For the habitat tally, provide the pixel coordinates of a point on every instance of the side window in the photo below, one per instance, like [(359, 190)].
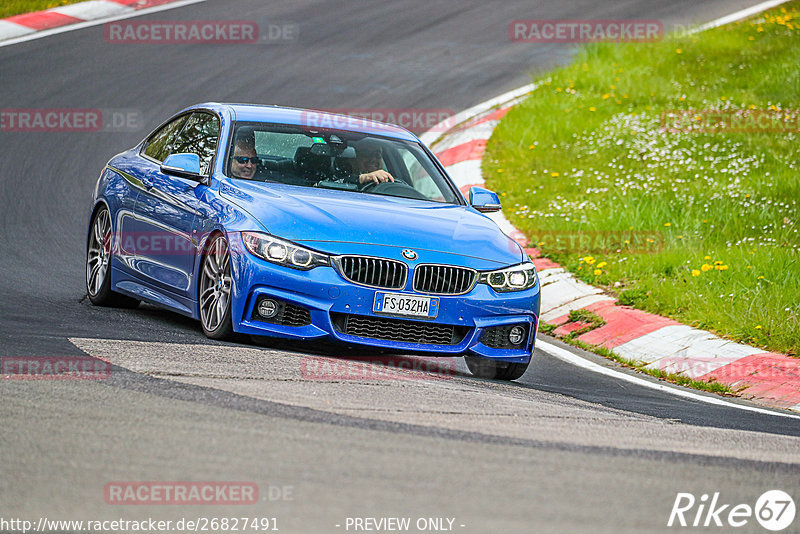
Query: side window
[(199, 136), (160, 142), (279, 144)]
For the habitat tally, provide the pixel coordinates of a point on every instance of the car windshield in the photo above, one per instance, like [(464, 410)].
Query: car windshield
[(331, 159)]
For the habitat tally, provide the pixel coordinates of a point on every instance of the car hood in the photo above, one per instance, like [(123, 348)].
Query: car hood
[(315, 215)]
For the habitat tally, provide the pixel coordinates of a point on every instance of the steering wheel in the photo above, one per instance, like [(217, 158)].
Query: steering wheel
[(393, 189)]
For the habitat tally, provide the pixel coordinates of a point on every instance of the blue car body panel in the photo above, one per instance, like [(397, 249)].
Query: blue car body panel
[(184, 213)]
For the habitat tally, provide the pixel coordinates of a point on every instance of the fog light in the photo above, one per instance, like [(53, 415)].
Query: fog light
[(267, 308), (516, 335)]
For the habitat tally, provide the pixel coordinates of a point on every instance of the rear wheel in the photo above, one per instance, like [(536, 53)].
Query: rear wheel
[(98, 265), (215, 290), (493, 369)]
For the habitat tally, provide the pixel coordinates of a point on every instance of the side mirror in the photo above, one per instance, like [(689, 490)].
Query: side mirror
[(484, 200), (184, 165)]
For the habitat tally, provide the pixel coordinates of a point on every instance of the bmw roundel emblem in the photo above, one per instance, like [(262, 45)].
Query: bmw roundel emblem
[(409, 254)]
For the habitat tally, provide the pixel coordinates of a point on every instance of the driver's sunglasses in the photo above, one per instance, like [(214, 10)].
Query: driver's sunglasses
[(244, 159)]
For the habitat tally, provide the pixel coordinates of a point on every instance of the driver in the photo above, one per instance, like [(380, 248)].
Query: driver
[(244, 160), (369, 164)]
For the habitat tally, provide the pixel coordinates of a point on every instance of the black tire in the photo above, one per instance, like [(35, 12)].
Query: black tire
[(214, 291), (492, 369), (98, 265)]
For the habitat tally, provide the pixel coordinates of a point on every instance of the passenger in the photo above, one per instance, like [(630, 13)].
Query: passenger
[(244, 161)]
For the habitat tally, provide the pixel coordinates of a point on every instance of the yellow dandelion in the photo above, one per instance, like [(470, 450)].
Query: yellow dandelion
[(531, 147), (601, 264), (558, 89), (667, 224), (589, 259), (752, 106), (758, 327), (706, 267), (502, 194), (598, 272), (717, 262), (695, 272), (613, 87), (499, 170), (606, 96), (554, 174), (722, 98), (706, 257), (592, 109), (760, 277), (678, 51)]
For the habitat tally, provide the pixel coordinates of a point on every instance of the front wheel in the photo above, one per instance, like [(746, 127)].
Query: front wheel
[(493, 369), (215, 290), (98, 265)]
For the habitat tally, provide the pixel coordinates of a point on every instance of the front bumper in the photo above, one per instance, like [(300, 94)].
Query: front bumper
[(328, 297)]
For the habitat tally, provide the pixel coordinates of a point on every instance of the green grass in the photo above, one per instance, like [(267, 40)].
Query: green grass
[(704, 227), (16, 7)]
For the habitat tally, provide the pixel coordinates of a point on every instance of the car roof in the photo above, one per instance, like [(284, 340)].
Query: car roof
[(308, 117)]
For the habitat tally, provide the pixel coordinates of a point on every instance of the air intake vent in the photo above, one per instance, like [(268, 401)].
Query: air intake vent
[(374, 272), (443, 279), (399, 330)]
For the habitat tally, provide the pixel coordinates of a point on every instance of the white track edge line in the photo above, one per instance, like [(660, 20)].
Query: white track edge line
[(579, 361), (738, 15), (89, 23)]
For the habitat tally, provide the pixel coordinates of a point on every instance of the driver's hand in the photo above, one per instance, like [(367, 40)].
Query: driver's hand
[(375, 177)]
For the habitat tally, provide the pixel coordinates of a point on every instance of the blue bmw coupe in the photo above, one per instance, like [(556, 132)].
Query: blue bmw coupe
[(293, 223)]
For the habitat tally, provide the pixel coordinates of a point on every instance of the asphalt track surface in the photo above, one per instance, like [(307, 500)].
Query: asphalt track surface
[(560, 450)]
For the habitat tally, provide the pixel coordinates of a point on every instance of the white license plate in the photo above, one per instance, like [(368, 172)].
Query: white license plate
[(405, 305)]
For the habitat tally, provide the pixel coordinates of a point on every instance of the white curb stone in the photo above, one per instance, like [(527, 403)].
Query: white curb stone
[(92, 9), (9, 30), (678, 346)]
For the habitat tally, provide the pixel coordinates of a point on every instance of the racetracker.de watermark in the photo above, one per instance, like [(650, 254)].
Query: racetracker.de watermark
[(70, 120), (413, 119), (377, 368), (200, 32), (188, 493), (600, 241), (53, 368), (717, 121), (585, 31)]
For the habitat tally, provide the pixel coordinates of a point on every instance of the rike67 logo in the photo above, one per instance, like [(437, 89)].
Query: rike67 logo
[(774, 510)]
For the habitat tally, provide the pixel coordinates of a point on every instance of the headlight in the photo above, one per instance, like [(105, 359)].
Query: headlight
[(283, 252), (516, 278)]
